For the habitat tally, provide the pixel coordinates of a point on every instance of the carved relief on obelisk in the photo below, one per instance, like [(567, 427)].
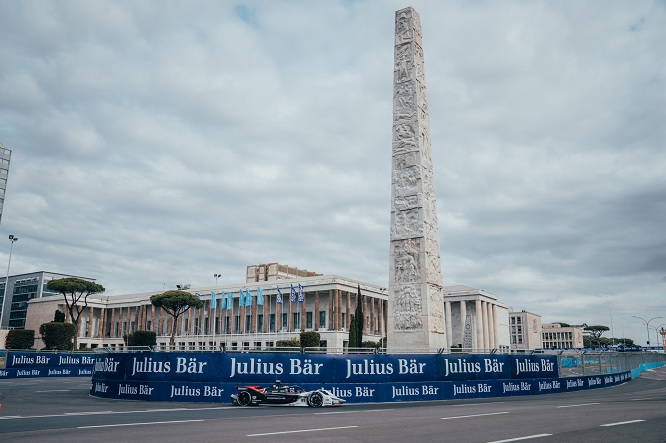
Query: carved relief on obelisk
[(416, 307)]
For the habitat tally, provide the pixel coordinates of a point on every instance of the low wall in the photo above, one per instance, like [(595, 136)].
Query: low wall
[(200, 377), (31, 364)]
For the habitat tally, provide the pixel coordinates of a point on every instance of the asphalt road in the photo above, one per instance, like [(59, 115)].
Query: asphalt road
[(57, 410)]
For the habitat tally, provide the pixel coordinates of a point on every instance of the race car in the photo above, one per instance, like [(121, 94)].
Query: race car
[(277, 394)]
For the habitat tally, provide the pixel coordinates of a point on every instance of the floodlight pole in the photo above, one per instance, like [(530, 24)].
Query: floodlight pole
[(12, 239)]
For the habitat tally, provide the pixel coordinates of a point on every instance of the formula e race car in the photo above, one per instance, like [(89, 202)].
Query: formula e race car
[(277, 394)]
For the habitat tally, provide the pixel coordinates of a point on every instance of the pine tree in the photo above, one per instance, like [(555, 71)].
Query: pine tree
[(359, 319), (353, 340)]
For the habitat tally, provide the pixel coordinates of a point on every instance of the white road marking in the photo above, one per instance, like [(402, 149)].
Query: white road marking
[(351, 412), (137, 424), (622, 423), (301, 430), (114, 412), (575, 406), (527, 437), (479, 404), (475, 415)]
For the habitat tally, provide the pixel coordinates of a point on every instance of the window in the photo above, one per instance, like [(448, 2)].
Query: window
[(248, 323), (285, 321), (297, 320), (236, 324), (260, 323), (271, 325), (308, 320), (322, 319), (344, 320)]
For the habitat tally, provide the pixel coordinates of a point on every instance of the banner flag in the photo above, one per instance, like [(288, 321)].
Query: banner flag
[(213, 301), (279, 296), (301, 297), (292, 295), (198, 295), (241, 298), (230, 302), (248, 298), (223, 300), (260, 297)]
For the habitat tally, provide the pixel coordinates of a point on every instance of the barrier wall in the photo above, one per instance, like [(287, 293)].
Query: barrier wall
[(32, 364), (356, 378)]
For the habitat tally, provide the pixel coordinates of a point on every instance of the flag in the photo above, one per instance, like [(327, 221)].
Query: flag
[(292, 294), (230, 302), (301, 297), (241, 298), (198, 295), (248, 298), (260, 297), (213, 302), (223, 300), (278, 299)]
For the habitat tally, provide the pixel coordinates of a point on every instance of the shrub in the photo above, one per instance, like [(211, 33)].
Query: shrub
[(369, 344), (59, 316), (20, 339), (291, 343), (310, 339), (57, 335), (142, 338)]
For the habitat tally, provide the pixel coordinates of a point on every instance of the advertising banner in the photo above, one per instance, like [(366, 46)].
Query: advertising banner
[(215, 392), (46, 372), (305, 368), (34, 360)]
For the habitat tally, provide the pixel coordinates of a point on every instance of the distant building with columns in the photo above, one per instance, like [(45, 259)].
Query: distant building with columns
[(476, 321), (556, 336)]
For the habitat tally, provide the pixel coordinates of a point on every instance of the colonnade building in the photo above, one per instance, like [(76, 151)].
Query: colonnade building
[(476, 321)]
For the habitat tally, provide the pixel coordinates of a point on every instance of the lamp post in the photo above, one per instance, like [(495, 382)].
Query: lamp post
[(216, 277), (12, 239), (647, 325), (659, 329)]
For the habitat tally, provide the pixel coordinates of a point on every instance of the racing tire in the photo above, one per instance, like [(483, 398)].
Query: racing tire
[(244, 398), (315, 399)]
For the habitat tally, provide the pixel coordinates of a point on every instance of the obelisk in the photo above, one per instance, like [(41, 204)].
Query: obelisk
[(415, 305)]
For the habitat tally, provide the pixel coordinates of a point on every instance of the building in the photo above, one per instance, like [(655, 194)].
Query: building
[(5, 158), (328, 301), (525, 331), (275, 271), (475, 320), (23, 288), (556, 336)]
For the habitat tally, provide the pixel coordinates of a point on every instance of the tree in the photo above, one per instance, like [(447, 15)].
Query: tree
[(175, 303), (359, 319), (59, 316), (353, 331), (596, 331), (310, 339), (76, 292), (57, 335), (142, 338), (20, 339), (290, 343)]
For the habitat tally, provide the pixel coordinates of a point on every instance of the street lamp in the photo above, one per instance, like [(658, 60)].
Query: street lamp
[(647, 325), (658, 330), (216, 277), (12, 239)]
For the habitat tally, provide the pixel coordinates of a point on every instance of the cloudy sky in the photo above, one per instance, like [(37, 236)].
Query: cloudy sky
[(156, 143)]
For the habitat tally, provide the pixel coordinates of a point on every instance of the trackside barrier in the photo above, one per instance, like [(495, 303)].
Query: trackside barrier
[(201, 377)]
